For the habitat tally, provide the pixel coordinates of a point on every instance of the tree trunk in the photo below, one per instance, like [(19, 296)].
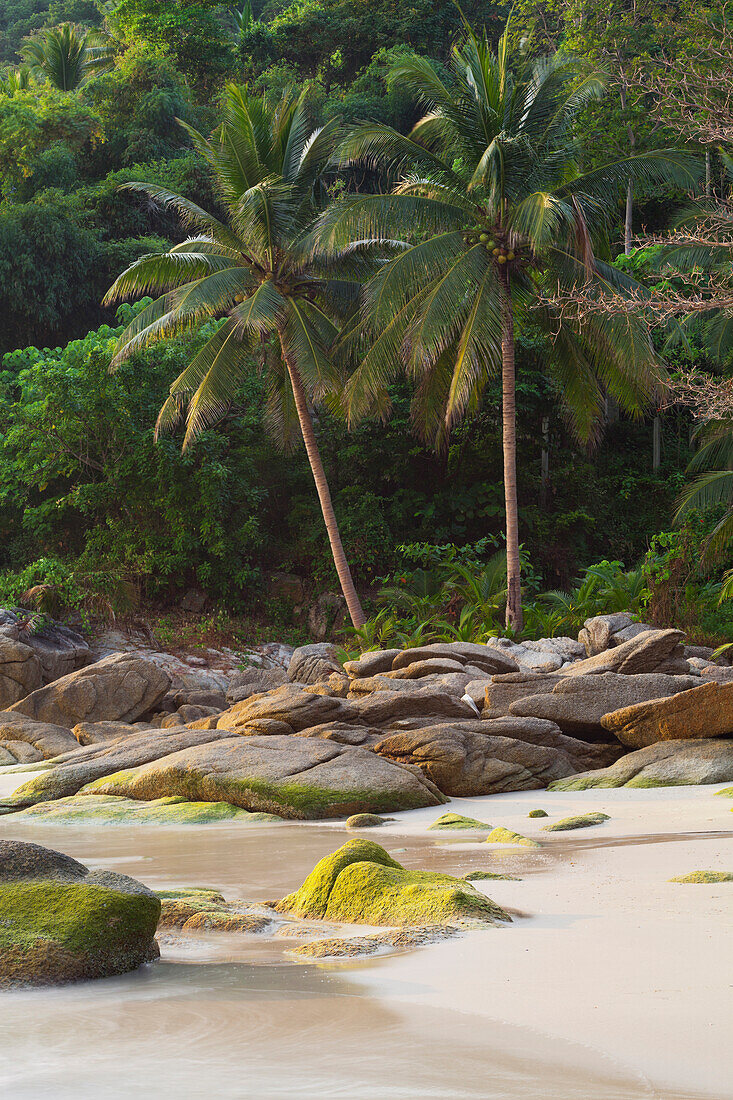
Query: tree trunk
[(708, 172), (628, 217), (509, 442), (353, 603)]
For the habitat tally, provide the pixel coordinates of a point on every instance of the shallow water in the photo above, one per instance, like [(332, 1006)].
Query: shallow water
[(233, 1017)]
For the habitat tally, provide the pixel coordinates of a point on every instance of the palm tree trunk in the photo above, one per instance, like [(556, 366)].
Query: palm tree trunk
[(353, 603), (509, 442)]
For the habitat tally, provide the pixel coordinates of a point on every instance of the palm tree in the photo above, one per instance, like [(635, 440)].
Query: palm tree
[(497, 221), (66, 56), (253, 272)]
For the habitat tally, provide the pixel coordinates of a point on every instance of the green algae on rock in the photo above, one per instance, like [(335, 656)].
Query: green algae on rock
[(538, 813), (366, 821), (665, 764), (360, 883), (297, 777), (577, 821), (705, 877), (457, 821), (60, 923), (198, 909), (500, 835), (476, 876), (113, 810)]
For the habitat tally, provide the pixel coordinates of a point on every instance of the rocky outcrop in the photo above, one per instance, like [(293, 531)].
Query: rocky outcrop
[(360, 883), (254, 681), (370, 663), (384, 708), (48, 739), (310, 664), (666, 764), (501, 691), (292, 704), (648, 651), (20, 670), (704, 711), (60, 922), (483, 658), (578, 703), (295, 777), (469, 759), (118, 688)]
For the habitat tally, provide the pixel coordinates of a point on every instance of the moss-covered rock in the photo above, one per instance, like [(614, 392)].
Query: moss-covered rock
[(360, 883), (500, 835), (197, 909), (457, 821), (477, 876), (366, 821), (577, 821), (727, 792), (705, 877), (59, 922), (538, 813), (112, 810)]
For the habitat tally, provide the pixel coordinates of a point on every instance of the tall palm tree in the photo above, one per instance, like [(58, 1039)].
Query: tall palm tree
[(253, 271), (499, 220), (66, 55)]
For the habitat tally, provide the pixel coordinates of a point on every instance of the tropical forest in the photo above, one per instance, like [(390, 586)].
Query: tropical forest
[(366, 446)]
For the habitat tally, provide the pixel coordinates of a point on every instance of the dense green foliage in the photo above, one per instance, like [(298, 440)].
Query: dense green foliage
[(91, 504)]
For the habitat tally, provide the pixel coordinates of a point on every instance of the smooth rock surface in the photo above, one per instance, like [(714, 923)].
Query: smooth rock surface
[(291, 703)]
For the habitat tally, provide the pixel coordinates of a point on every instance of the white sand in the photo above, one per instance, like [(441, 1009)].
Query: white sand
[(612, 960), (613, 956)]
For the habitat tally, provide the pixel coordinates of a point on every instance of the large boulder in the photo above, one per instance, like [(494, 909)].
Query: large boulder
[(310, 664), (526, 658), (295, 777), (253, 681), (360, 883), (666, 764), (292, 703), (48, 739), (383, 708), (18, 752), (20, 670), (477, 758), (704, 711), (60, 922), (649, 651), (597, 633), (501, 691), (35, 650), (117, 688), (482, 657), (377, 660), (75, 769), (578, 703)]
